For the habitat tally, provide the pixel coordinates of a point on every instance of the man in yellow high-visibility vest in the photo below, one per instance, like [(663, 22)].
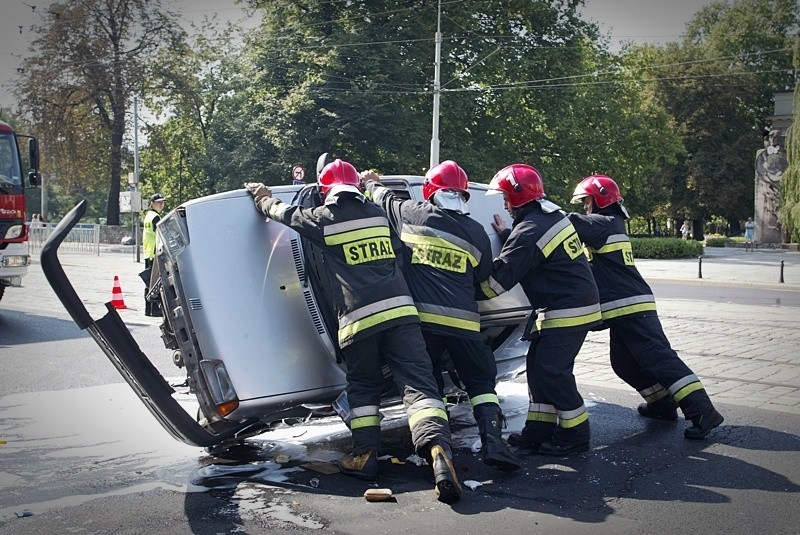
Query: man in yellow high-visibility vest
[(151, 219)]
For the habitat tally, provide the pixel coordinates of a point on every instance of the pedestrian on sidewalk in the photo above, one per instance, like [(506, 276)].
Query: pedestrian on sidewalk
[(640, 353), (749, 234), (685, 229)]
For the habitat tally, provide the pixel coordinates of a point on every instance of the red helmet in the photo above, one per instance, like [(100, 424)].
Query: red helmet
[(520, 182), (338, 173), (448, 176), (601, 188)]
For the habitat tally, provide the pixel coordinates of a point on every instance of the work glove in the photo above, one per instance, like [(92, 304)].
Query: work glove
[(368, 176), (259, 191)]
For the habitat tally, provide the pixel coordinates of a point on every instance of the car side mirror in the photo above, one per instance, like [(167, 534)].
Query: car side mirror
[(322, 161)]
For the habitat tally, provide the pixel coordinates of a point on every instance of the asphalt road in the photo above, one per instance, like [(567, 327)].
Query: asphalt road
[(82, 454)]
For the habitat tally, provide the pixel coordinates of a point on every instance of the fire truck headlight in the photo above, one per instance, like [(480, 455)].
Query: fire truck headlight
[(14, 231), (15, 261)]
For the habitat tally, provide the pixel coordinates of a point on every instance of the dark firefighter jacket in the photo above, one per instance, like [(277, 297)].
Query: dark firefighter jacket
[(623, 291), (370, 294), (542, 252), (446, 256)]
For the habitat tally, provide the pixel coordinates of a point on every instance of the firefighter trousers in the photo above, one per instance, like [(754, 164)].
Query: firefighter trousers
[(474, 363), (642, 356), (402, 348), (556, 412)]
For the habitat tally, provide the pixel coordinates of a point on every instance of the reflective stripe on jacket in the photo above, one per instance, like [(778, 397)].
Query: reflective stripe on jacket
[(623, 291), (542, 252), (370, 293), (446, 255)]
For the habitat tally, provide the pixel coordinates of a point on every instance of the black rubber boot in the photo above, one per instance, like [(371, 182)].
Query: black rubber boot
[(447, 486), (567, 441), (494, 449), (703, 424), (663, 409), (532, 435)]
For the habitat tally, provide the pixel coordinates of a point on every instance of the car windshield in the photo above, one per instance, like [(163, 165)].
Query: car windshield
[(9, 164)]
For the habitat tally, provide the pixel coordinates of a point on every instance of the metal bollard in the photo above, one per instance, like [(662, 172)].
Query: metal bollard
[(781, 279), (699, 267)]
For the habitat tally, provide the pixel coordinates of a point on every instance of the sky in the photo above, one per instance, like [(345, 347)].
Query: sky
[(627, 20)]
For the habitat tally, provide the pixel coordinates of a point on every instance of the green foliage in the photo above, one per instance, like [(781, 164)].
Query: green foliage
[(519, 83), (790, 184), (717, 241), (665, 248), (521, 80), (88, 59), (718, 84)]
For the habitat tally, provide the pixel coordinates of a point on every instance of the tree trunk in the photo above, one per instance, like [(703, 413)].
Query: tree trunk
[(115, 169), (697, 229)]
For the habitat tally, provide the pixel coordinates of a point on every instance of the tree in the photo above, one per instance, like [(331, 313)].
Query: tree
[(521, 81), (91, 56), (790, 184), (718, 84), (182, 156), (518, 81)]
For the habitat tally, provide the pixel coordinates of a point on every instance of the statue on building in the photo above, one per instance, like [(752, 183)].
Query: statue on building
[(771, 163)]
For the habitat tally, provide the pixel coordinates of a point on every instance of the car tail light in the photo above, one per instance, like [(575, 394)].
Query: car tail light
[(220, 386)]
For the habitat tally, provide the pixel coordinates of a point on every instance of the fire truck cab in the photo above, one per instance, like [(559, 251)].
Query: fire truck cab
[(14, 258)]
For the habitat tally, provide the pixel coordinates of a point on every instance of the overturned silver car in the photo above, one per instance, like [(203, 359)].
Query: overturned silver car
[(246, 312)]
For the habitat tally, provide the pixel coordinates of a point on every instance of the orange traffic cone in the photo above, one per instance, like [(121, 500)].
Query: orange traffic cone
[(116, 295)]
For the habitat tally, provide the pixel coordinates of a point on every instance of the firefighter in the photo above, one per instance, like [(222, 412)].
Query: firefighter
[(542, 252), (640, 352), (151, 219), (377, 322), (446, 254)]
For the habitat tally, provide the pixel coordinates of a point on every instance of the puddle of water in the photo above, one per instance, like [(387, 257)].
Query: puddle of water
[(252, 503)]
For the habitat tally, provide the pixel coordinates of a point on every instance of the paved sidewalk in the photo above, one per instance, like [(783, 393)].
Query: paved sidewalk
[(729, 265), (744, 354)]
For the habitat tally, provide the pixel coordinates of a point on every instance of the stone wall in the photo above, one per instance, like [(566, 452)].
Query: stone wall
[(113, 234)]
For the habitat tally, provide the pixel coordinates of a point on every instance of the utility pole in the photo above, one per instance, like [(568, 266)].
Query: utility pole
[(436, 89), (136, 174), (43, 200)]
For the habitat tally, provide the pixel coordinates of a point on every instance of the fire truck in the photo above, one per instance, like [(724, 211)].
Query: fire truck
[(14, 257)]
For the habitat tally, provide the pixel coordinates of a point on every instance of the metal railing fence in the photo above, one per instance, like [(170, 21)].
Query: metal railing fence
[(84, 238)]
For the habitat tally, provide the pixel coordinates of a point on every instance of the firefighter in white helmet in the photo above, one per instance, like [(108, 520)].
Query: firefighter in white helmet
[(640, 352), (377, 322)]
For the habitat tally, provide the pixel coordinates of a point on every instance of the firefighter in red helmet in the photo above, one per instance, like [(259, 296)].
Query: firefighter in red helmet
[(640, 352), (377, 321), (446, 255), (543, 254)]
